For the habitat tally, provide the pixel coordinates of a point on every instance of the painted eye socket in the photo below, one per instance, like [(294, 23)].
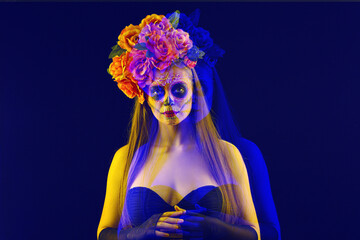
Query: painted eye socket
[(179, 90), (157, 92)]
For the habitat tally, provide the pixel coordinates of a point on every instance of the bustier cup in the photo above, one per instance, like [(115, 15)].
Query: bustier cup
[(143, 202)]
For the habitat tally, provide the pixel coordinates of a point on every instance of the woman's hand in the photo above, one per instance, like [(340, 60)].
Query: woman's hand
[(168, 225), (199, 226)]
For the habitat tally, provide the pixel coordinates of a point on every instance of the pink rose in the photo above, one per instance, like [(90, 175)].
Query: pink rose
[(182, 41), (155, 28), (141, 67), (164, 25), (148, 30), (162, 47)]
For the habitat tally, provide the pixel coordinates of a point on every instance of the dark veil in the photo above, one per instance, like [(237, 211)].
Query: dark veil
[(228, 130), (210, 97)]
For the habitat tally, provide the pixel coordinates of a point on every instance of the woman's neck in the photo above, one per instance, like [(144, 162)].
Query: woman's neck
[(174, 137)]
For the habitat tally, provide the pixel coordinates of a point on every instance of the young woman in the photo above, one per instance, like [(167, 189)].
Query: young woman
[(176, 178)]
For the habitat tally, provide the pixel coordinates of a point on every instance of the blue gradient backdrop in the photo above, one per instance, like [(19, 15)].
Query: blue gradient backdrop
[(291, 74)]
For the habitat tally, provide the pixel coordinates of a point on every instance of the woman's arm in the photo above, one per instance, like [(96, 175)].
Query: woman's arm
[(110, 214), (244, 193), (158, 225), (260, 189), (145, 231)]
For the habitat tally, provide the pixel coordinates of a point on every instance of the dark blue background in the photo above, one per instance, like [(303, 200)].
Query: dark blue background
[(291, 74)]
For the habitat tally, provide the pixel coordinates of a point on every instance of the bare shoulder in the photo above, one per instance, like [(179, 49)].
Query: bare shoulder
[(122, 151), (235, 159), (249, 146), (120, 157), (230, 148), (246, 147)]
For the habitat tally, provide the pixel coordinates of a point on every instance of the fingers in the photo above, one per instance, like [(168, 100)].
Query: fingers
[(167, 226), (178, 234), (173, 214), (189, 225), (169, 223), (192, 223), (194, 235), (194, 212), (180, 223), (161, 234), (200, 208), (193, 218), (177, 208), (170, 220)]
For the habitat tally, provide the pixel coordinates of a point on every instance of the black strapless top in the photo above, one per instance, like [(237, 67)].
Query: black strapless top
[(143, 202)]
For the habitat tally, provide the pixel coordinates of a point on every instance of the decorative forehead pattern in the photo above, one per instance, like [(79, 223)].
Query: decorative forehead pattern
[(166, 78)]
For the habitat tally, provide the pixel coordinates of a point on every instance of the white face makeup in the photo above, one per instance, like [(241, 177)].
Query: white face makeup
[(170, 95)]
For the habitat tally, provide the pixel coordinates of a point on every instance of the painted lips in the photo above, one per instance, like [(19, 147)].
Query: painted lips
[(169, 114)]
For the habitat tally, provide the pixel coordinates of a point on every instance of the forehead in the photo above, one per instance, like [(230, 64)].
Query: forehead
[(174, 74)]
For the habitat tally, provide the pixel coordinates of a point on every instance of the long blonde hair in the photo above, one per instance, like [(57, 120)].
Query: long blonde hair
[(142, 133)]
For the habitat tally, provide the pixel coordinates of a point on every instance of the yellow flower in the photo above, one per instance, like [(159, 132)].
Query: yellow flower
[(119, 64), (153, 18), (129, 37), (128, 85)]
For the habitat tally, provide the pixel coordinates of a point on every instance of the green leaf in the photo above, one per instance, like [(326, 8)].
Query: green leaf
[(147, 38), (201, 54), (140, 46), (115, 47), (174, 19), (116, 51)]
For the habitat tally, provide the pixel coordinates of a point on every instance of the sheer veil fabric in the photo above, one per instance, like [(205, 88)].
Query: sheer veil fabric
[(237, 184), (212, 103)]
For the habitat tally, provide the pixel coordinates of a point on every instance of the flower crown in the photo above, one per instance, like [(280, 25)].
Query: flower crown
[(159, 42)]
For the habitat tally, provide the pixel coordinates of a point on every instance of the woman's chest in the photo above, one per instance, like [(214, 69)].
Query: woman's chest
[(174, 175)]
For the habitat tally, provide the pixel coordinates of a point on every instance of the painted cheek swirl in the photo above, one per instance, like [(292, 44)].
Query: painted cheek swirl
[(182, 110)]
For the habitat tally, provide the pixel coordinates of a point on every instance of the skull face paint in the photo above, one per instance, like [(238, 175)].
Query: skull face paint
[(170, 95)]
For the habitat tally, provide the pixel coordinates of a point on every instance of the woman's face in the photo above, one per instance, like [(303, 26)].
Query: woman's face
[(170, 95)]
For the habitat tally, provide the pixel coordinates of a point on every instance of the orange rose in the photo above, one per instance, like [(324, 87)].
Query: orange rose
[(128, 85), (129, 37), (153, 18), (126, 75), (119, 64)]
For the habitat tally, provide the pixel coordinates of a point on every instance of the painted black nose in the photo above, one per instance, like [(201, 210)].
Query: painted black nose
[(168, 101)]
